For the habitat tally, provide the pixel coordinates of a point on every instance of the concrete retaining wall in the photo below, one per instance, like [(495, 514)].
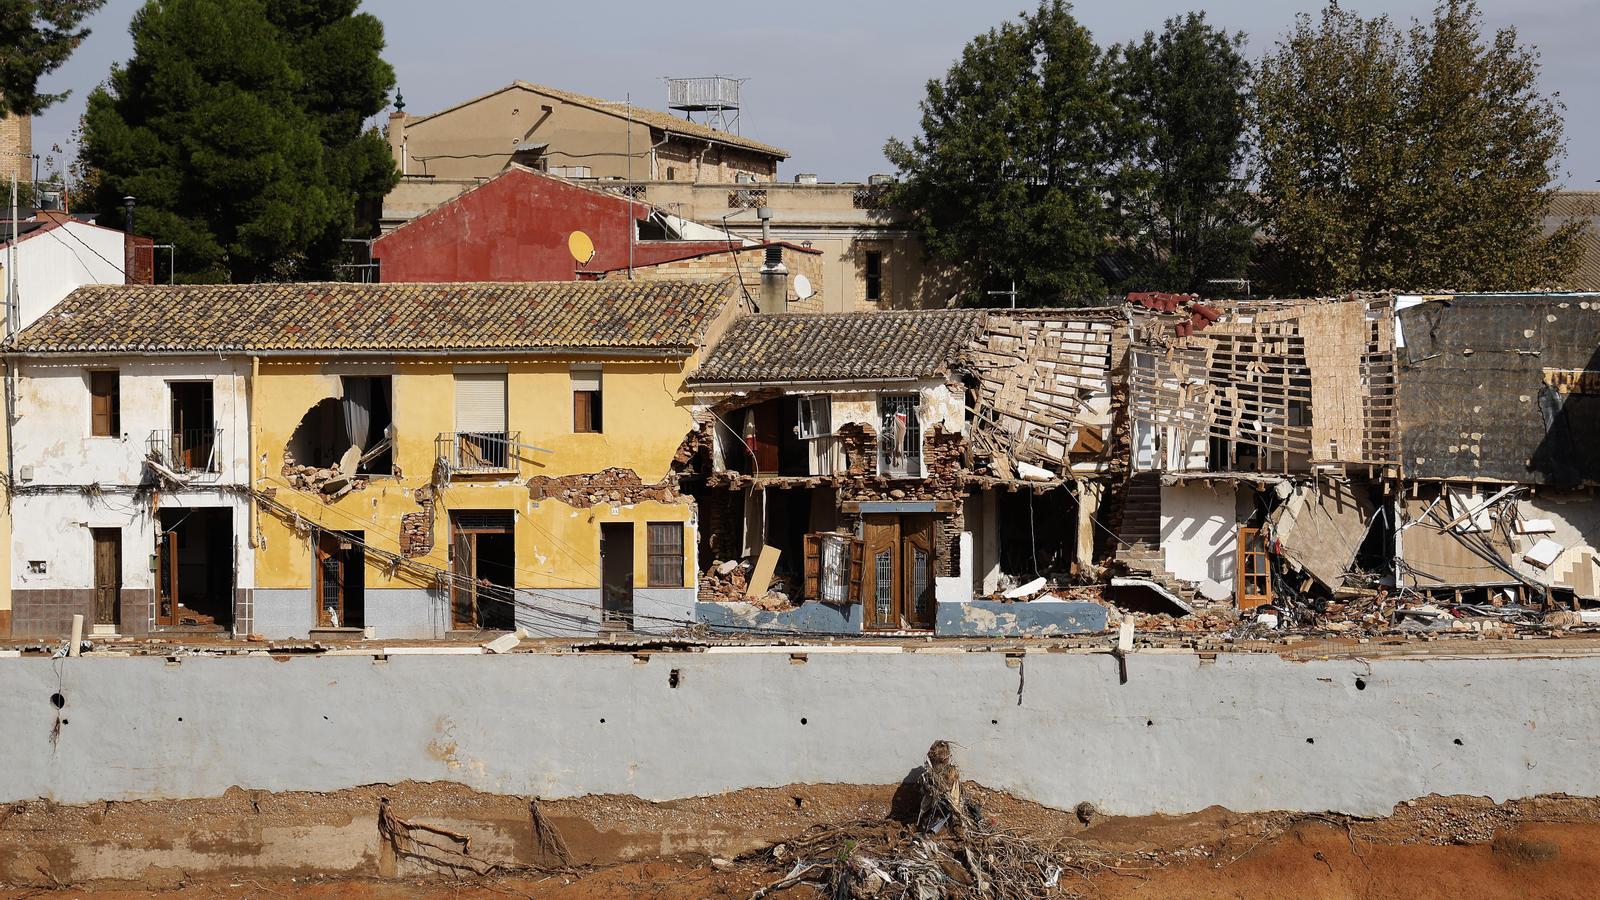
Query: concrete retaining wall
[(1246, 731)]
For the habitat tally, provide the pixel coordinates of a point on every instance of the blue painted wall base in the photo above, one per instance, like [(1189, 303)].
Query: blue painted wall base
[(812, 618), (1047, 618)]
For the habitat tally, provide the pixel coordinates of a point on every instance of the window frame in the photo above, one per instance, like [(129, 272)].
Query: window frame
[(113, 400), (872, 274), (588, 405), (672, 557)]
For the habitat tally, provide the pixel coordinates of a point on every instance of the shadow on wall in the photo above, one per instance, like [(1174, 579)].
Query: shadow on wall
[(1569, 454)]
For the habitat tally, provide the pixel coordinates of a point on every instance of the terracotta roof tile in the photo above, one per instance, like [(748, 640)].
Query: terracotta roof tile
[(862, 346), (320, 317)]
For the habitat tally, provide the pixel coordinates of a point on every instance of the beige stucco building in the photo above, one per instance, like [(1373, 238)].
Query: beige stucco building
[(573, 135)]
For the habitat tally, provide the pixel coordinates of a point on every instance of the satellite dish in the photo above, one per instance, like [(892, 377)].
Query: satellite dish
[(802, 287), (581, 248)]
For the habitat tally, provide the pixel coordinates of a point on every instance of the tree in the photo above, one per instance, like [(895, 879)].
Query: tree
[(36, 37), (1423, 160), (1184, 95), (237, 125), (1010, 175)]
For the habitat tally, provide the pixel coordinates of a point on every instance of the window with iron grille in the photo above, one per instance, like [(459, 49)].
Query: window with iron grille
[(900, 436), (874, 265), (666, 554), (883, 596)]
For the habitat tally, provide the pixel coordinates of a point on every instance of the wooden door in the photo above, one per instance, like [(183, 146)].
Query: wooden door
[(463, 584), (330, 582), (880, 582), (107, 574), (916, 561), (616, 572), (897, 581), (1255, 570), (167, 601)]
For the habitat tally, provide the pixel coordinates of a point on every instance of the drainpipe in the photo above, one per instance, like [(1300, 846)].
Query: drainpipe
[(774, 275)]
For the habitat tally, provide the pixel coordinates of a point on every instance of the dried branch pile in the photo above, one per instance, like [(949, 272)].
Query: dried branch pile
[(951, 850)]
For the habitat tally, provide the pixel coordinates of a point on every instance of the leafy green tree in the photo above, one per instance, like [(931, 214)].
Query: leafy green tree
[(1423, 159), (237, 125), (36, 37), (1184, 96), (1010, 176)]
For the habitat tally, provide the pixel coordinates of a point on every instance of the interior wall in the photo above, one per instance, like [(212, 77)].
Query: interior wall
[(1199, 530)]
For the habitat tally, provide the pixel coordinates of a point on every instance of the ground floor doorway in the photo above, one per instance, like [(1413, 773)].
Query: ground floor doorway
[(616, 574), (107, 575), (897, 584), (195, 563), (483, 565), (341, 579)]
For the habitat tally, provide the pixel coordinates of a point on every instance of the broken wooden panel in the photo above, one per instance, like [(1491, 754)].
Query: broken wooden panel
[(1321, 526), (1268, 386)]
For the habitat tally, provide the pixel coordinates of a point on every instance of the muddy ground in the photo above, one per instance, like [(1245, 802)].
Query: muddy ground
[(249, 844)]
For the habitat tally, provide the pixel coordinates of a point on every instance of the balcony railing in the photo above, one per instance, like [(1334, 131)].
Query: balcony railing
[(477, 451), (185, 450)]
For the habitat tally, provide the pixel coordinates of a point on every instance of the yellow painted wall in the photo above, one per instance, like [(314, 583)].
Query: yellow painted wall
[(557, 546)]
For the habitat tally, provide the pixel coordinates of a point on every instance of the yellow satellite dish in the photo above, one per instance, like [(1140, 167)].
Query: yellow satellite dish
[(581, 248)]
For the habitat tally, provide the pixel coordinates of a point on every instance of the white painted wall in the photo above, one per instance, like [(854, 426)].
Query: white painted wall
[(57, 460), (1199, 530), (52, 263), (51, 434)]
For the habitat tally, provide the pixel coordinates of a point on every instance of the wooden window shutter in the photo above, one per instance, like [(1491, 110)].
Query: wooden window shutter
[(104, 402), (858, 554), (481, 402), (813, 567)]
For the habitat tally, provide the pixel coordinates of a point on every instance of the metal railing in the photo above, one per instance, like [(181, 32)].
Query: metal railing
[(477, 451), (185, 450)]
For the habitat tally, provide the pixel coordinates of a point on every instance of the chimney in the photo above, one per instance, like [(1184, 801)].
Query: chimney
[(127, 220), (774, 274)]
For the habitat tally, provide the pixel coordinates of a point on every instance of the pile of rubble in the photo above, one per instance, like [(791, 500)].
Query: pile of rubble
[(726, 581), (328, 481), (611, 485)]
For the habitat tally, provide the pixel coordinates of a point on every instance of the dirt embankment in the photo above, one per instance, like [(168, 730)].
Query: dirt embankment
[(249, 844)]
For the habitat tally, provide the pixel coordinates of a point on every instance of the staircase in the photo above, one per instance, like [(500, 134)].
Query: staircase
[(1137, 525)]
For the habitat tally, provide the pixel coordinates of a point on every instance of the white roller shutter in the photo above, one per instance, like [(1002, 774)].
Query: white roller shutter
[(481, 402), (585, 378)]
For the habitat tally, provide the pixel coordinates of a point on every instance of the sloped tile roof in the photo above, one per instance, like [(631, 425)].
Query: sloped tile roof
[(1581, 205), (336, 317), (859, 346)]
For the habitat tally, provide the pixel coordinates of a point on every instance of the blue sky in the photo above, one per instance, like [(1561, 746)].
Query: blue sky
[(829, 80)]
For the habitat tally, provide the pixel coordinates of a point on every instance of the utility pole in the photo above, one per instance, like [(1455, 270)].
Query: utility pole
[(1011, 293)]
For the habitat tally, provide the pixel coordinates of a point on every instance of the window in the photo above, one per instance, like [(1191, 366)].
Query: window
[(672, 174), (666, 554), (900, 437), (586, 405), (105, 394), (816, 416), (481, 441), (874, 275)]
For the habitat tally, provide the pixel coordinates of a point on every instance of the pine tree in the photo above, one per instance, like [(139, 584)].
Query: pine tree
[(1184, 98), (237, 125), (1417, 160), (1010, 176), (36, 37)]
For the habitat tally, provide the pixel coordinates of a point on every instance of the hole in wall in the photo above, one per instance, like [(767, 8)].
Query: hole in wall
[(65, 722), (1361, 684), (1457, 742), (994, 721), (674, 679), (180, 718), (1311, 740), (1149, 722), (58, 700), (802, 720), (799, 802)]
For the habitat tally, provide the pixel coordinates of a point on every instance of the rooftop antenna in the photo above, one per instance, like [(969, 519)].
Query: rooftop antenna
[(715, 97), (1011, 293)]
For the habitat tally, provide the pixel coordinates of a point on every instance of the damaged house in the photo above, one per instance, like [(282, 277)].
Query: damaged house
[(879, 471), (1262, 440), (1499, 430), (369, 459)]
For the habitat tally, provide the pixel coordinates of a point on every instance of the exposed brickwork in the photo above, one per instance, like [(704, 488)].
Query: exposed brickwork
[(416, 528), (611, 485), (16, 148)]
